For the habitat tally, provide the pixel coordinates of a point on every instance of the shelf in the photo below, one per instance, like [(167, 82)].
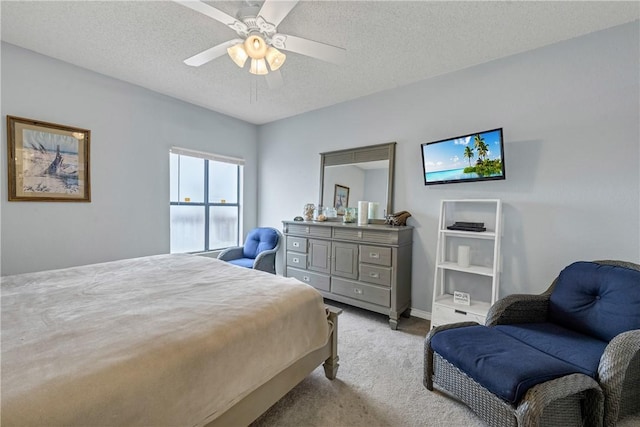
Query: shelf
[(484, 250), (473, 269), (490, 201), (477, 307), (490, 235)]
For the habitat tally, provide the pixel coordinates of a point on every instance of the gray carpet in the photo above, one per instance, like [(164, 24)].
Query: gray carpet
[(379, 382)]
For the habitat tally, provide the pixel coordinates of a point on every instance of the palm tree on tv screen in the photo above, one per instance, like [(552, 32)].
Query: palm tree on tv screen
[(468, 153), (481, 147), (483, 166)]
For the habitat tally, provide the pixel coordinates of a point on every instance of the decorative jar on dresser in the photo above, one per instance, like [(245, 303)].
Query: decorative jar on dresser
[(367, 266)]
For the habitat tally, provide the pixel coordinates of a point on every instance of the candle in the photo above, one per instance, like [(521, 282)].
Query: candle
[(363, 213), (373, 210)]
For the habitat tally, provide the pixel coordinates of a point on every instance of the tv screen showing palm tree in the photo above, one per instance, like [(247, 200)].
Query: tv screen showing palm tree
[(474, 157)]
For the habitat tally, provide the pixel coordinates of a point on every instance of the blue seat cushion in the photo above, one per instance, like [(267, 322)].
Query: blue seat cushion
[(597, 300), (500, 363), (258, 240), (581, 351), (243, 262)]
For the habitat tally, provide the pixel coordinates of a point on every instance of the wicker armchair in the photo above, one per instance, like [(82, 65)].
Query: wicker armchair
[(571, 401), (575, 399), (619, 369)]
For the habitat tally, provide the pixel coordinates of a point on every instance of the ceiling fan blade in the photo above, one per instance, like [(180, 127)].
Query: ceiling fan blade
[(307, 47), (274, 11), (210, 54), (212, 12), (274, 80)]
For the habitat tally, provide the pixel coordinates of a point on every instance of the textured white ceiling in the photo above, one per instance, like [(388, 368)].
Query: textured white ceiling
[(389, 44)]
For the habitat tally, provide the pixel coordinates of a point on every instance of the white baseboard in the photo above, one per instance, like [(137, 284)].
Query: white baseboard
[(421, 314)]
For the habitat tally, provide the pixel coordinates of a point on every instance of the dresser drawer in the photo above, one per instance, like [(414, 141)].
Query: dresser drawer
[(375, 255), (365, 235), (297, 244), (347, 233), (361, 291), (309, 230), (375, 274), (444, 314), (318, 281), (295, 259)]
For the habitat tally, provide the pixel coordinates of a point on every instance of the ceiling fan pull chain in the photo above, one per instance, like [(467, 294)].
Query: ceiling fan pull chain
[(253, 90)]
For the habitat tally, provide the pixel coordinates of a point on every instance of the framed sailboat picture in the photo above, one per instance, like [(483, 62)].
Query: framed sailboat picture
[(47, 162)]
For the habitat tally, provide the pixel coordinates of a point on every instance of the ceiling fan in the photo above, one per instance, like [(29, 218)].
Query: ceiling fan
[(259, 39)]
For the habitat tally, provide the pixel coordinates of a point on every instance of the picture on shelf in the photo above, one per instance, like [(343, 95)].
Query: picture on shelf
[(461, 298)]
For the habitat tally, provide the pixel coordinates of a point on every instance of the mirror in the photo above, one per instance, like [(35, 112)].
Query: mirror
[(363, 173)]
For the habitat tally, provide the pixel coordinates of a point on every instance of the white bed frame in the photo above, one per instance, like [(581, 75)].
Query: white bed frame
[(257, 402)]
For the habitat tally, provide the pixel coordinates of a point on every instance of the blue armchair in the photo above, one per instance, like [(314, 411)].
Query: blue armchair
[(258, 252)]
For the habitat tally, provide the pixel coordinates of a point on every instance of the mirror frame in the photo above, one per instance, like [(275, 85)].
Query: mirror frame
[(368, 153)]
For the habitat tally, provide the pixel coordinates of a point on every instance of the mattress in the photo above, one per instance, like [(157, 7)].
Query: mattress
[(160, 340)]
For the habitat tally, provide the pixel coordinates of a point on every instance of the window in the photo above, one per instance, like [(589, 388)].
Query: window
[(205, 194)]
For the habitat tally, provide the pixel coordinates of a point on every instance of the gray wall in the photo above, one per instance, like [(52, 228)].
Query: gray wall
[(570, 114), (376, 189), (132, 130)]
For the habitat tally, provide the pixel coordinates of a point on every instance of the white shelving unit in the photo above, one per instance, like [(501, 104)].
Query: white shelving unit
[(481, 279)]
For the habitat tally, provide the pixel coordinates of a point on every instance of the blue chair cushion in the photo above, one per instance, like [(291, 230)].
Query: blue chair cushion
[(579, 350), (500, 363), (258, 240), (243, 262), (597, 300)]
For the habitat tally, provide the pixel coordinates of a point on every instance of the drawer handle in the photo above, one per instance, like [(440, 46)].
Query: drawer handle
[(375, 255), (296, 260), (358, 291), (374, 275), (296, 244), (306, 229), (461, 312), (306, 278)]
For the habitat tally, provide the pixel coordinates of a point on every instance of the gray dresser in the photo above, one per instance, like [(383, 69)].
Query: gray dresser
[(365, 266)]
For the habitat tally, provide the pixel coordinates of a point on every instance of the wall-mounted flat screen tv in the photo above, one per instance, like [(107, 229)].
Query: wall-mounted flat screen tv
[(474, 157)]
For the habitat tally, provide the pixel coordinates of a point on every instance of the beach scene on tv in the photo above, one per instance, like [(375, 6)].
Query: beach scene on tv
[(475, 156)]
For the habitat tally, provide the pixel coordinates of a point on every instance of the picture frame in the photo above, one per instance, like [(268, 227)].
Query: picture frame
[(341, 198), (47, 162), (461, 298)]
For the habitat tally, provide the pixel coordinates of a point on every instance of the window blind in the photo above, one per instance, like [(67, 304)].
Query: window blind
[(208, 156)]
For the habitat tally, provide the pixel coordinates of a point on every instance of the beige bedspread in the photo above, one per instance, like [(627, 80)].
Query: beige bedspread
[(162, 340)]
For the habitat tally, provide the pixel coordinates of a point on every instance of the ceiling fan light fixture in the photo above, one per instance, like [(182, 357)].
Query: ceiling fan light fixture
[(275, 58), (238, 54), (259, 67), (255, 46)]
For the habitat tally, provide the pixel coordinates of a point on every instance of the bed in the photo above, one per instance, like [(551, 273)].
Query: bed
[(161, 340)]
